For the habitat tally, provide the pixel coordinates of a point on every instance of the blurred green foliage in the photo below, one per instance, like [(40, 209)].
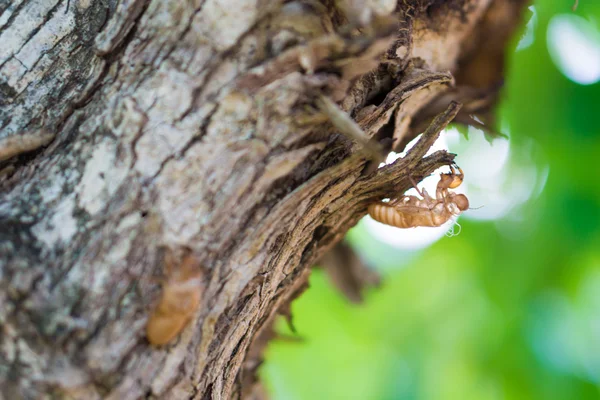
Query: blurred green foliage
[(510, 309)]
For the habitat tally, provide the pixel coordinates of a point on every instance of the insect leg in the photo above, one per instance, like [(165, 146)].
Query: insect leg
[(415, 186), (457, 178)]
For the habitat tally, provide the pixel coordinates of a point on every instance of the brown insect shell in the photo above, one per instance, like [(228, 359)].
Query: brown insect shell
[(461, 201), (451, 180), (438, 216), (181, 296)]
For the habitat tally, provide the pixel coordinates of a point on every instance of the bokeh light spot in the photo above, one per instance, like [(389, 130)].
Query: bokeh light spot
[(528, 36), (574, 45)]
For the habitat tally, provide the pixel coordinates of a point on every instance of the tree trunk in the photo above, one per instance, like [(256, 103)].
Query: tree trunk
[(143, 130)]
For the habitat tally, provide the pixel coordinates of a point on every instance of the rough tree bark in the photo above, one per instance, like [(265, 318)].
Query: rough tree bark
[(129, 129)]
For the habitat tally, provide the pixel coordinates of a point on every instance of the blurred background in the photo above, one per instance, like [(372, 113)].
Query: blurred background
[(508, 309)]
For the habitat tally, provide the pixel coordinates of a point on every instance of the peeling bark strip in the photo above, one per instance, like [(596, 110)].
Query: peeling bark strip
[(23, 143), (210, 125)]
